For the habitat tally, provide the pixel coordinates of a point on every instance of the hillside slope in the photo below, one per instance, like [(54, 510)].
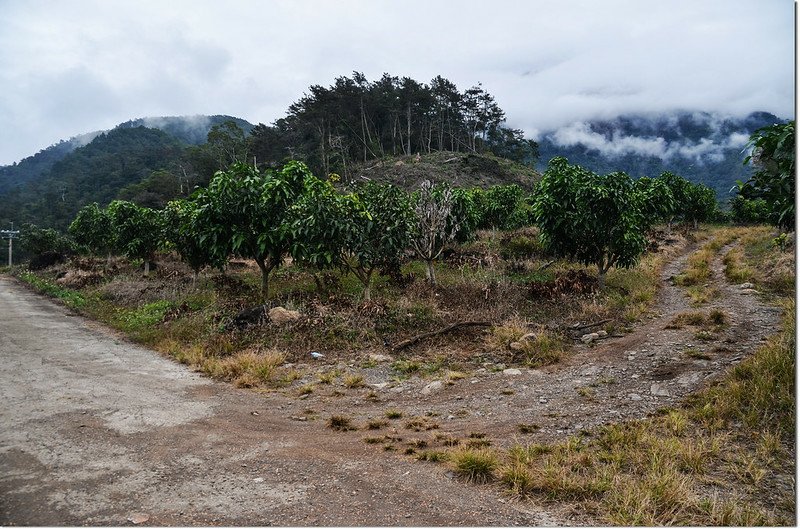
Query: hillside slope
[(93, 173), (455, 168), (191, 130)]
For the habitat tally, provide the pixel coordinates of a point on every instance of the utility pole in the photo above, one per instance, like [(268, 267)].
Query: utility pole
[(10, 235)]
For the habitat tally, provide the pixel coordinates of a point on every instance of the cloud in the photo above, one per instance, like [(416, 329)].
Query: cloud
[(72, 67), (615, 143)]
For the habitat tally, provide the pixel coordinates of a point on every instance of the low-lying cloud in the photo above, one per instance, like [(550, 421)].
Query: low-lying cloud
[(617, 144)]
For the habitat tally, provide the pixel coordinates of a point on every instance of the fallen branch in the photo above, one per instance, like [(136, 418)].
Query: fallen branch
[(451, 160), (547, 265), (588, 325), (451, 327)]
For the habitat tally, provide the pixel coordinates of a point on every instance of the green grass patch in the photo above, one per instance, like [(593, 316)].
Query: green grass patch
[(70, 298)]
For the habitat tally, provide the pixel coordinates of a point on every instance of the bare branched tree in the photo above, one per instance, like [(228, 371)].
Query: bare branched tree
[(435, 226)]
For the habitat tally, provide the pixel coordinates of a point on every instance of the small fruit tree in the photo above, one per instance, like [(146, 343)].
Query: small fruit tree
[(181, 228), (246, 212), (377, 230), (91, 229), (136, 231), (591, 218)]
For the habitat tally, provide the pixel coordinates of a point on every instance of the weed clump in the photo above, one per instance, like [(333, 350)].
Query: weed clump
[(475, 465), (340, 423)]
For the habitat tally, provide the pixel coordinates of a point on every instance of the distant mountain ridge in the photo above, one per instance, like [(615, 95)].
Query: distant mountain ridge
[(191, 130), (700, 146)]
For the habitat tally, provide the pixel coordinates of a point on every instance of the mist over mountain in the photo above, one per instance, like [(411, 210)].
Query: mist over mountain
[(700, 146), (190, 130)]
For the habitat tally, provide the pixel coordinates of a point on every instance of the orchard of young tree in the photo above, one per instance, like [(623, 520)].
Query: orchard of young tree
[(370, 228)]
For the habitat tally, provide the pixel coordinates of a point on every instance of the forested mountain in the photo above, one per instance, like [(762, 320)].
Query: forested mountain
[(699, 146), (32, 167), (192, 130), (94, 172)]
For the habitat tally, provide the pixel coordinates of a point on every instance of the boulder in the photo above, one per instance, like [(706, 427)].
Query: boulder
[(512, 372), (516, 346), (436, 385), (280, 315), (589, 338)]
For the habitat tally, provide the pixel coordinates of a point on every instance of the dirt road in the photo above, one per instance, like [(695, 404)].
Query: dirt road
[(96, 431)]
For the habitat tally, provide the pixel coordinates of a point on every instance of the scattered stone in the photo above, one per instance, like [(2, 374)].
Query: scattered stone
[(436, 385), (512, 372), (380, 385), (748, 291), (516, 346), (591, 371), (688, 379), (602, 334), (450, 417), (296, 418), (659, 391), (529, 336), (379, 358), (280, 315), (631, 357), (258, 480), (634, 396), (138, 518), (746, 286), (542, 400)]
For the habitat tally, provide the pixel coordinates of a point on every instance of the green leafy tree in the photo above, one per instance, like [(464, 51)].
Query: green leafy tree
[(379, 223), (137, 231), (320, 226), (773, 157), (590, 218), (744, 211), (246, 212), (182, 231), (657, 201), (92, 230), (36, 241), (499, 205), (465, 214), (700, 204)]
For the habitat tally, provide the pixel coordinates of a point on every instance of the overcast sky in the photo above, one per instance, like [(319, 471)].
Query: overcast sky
[(69, 67)]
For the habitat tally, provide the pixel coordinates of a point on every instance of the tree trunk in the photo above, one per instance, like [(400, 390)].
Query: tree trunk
[(264, 278), (146, 267), (367, 290), (195, 275), (431, 272), (601, 277)]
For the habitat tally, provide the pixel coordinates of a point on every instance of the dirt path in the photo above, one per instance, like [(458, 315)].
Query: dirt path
[(84, 442)]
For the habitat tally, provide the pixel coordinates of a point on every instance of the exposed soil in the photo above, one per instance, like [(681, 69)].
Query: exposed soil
[(98, 431)]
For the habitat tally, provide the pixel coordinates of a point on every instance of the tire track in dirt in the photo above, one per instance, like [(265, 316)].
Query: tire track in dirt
[(614, 380)]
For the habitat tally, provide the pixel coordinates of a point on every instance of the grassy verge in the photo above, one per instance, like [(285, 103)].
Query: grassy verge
[(726, 457)]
